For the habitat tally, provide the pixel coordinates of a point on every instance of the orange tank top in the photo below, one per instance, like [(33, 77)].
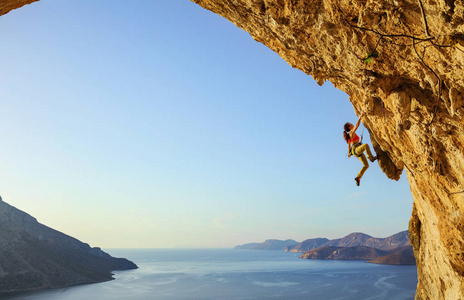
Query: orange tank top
[(353, 140)]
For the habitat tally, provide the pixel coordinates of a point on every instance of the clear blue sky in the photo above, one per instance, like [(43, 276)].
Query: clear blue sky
[(161, 124)]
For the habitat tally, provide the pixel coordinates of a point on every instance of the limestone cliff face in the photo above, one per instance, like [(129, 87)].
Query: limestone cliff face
[(409, 78), (8, 5), (402, 63)]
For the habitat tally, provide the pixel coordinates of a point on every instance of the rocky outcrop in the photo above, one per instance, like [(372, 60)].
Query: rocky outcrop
[(401, 61), (34, 256)]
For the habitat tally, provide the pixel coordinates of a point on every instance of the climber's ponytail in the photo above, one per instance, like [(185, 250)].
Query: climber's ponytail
[(346, 133)]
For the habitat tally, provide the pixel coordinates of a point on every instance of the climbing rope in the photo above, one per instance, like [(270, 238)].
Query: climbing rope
[(362, 134)]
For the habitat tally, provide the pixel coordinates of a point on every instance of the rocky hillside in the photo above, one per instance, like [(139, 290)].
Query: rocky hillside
[(401, 62), (34, 256), (268, 245)]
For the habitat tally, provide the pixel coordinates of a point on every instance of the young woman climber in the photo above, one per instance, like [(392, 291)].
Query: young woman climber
[(356, 148)]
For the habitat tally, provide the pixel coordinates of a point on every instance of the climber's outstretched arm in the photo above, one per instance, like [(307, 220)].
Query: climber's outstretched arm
[(352, 131)]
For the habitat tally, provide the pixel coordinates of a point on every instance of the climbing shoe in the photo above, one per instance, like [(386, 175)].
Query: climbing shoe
[(374, 159), (358, 180)]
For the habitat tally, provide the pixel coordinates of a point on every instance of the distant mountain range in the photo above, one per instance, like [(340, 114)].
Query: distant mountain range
[(34, 256), (307, 245), (355, 239), (268, 245), (395, 249)]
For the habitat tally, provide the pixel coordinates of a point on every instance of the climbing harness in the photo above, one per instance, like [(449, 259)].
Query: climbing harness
[(352, 150)]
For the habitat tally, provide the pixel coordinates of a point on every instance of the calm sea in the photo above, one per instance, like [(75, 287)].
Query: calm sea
[(241, 274)]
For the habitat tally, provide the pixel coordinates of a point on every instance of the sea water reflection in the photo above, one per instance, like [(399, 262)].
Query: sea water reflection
[(175, 274)]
